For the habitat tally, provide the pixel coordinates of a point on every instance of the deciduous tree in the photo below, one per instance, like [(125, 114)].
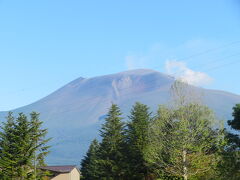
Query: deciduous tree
[(185, 141)]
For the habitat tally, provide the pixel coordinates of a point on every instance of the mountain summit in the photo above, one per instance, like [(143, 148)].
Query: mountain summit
[(73, 113)]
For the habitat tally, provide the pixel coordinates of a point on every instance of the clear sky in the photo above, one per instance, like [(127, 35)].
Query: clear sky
[(47, 43)]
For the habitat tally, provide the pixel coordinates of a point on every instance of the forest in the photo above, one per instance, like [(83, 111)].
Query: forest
[(182, 140)]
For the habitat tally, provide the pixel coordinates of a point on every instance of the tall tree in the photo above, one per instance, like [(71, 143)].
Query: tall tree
[(161, 135), (20, 141), (235, 123), (112, 145), (230, 166), (7, 149), (89, 165), (23, 146), (184, 142), (39, 147), (137, 142)]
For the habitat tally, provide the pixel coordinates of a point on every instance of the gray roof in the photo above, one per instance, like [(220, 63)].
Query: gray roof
[(61, 169)]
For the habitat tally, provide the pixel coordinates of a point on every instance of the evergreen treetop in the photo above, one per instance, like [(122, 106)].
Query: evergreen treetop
[(137, 139), (89, 164), (112, 146), (22, 147), (235, 123)]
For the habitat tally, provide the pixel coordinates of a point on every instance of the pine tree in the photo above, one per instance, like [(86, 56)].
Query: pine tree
[(20, 141), (235, 123), (137, 142), (230, 166), (7, 149), (111, 147), (23, 146), (14, 145), (89, 165), (38, 147)]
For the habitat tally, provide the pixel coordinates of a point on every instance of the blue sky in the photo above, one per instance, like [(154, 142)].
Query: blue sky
[(46, 44)]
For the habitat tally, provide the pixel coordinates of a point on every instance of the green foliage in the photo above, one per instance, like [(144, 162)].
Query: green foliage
[(235, 123), (89, 165), (8, 161), (137, 139), (183, 142), (22, 147), (111, 148), (229, 168), (39, 147)]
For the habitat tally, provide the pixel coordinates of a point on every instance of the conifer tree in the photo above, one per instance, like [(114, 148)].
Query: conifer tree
[(230, 166), (23, 146), (235, 123), (7, 149), (137, 142), (22, 142), (111, 147), (15, 139), (89, 165), (39, 147)]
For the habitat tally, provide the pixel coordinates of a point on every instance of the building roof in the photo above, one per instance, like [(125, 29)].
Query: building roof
[(61, 169)]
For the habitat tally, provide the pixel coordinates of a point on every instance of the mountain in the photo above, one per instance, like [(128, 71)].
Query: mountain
[(74, 113)]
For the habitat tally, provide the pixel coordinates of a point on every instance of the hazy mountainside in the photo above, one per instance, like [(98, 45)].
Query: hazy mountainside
[(73, 113)]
